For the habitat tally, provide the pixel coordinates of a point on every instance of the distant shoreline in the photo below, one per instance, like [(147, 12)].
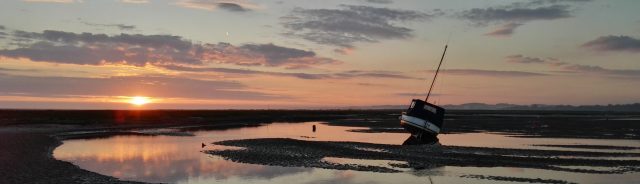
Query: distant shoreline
[(631, 107)]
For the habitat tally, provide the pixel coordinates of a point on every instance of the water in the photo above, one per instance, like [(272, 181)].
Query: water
[(178, 159)]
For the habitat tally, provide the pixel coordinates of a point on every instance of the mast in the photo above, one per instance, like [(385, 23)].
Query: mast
[(436, 75)]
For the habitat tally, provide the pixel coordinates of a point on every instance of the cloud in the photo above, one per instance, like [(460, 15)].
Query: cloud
[(614, 43), (135, 1), (524, 59), (245, 72), (155, 86), (275, 55), (589, 69), (309, 76), (568, 68), (139, 50), (349, 25), (410, 94), (548, 2), (210, 5), (516, 14), (344, 50), (17, 70), (53, 1), (379, 1), (483, 16), (504, 30), (374, 74), (232, 7), (122, 27), (416, 95), (490, 73)]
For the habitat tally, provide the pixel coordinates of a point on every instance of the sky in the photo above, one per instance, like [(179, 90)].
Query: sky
[(250, 54)]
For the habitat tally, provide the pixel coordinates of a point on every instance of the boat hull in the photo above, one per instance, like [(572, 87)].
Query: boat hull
[(418, 126)]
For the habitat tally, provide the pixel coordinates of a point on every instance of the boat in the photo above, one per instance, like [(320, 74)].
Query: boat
[(422, 119)]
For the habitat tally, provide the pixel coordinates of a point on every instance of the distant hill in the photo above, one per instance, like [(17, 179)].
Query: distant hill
[(634, 107)]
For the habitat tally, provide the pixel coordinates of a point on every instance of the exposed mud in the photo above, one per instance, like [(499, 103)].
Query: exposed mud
[(29, 137), (517, 179), (604, 147), (301, 153)]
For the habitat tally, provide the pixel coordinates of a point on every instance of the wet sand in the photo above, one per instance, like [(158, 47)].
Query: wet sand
[(26, 158), (604, 147), (29, 138), (301, 153)]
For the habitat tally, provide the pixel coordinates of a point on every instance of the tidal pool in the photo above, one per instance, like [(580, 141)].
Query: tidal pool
[(179, 159)]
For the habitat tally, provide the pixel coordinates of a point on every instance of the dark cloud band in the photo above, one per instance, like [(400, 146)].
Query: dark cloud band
[(349, 25), (614, 43), (139, 50)]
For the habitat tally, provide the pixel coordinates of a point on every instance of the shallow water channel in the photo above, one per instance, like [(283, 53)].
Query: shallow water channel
[(179, 159)]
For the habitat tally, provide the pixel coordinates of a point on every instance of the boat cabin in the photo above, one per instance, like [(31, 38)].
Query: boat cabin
[(426, 111)]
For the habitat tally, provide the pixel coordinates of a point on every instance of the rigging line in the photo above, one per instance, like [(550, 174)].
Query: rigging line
[(440, 64), (437, 91), (436, 74)]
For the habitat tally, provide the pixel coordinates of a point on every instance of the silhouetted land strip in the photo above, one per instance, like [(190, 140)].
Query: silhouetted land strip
[(541, 124)]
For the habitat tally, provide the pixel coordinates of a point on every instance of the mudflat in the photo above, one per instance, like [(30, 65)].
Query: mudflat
[(29, 137)]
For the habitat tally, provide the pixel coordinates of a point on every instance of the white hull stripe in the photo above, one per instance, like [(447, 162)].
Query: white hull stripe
[(420, 123)]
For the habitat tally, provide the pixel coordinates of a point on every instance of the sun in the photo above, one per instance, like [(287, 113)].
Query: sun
[(139, 100)]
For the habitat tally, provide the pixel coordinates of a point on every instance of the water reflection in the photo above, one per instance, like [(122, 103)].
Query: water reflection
[(178, 159), (158, 159), (303, 131)]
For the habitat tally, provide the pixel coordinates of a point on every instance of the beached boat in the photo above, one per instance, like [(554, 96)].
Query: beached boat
[(424, 120)]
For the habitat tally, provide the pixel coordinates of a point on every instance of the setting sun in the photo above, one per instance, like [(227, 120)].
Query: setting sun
[(139, 100)]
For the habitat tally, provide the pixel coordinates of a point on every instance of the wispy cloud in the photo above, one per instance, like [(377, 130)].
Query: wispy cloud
[(80, 1), (276, 55), (567, 68), (135, 1), (525, 59), (17, 70), (350, 24), (245, 72), (156, 86), (551, 2), (139, 50), (491, 73), (380, 1), (53, 1), (505, 30), (309, 76), (614, 43), (374, 74), (517, 14), (210, 5), (598, 70), (484, 16), (122, 27)]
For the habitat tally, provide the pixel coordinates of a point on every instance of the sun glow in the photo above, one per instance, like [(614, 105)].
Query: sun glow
[(139, 100)]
